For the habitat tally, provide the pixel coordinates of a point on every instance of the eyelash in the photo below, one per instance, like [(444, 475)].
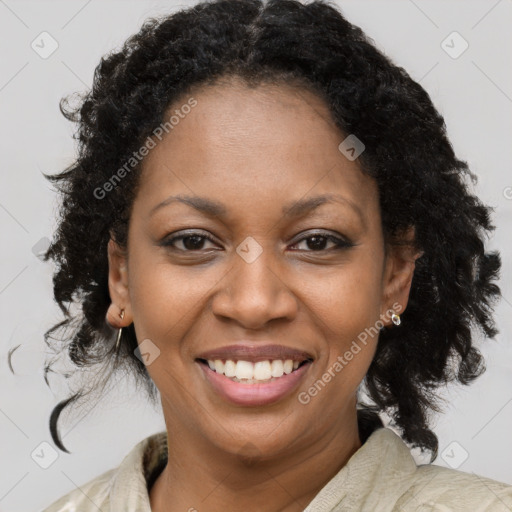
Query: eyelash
[(340, 243)]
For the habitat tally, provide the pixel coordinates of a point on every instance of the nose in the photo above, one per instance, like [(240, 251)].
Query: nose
[(253, 293)]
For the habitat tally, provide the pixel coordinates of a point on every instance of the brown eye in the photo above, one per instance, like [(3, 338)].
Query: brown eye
[(317, 242), (189, 242)]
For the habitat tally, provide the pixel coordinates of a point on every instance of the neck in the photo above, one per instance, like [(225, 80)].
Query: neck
[(201, 476)]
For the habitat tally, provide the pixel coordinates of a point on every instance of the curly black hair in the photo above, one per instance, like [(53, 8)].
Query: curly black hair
[(420, 180)]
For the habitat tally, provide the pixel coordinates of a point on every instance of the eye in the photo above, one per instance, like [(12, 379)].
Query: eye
[(190, 241), (317, 242)]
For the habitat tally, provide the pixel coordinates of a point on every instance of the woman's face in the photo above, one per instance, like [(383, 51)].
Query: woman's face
[(252, 161)]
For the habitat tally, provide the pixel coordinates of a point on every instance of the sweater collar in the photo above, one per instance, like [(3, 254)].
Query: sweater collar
[(382, 453)]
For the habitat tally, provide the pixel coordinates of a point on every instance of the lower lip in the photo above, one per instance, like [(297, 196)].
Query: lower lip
[(254, 394)]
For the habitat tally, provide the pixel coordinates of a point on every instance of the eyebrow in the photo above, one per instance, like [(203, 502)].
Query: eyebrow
[(293, 209), (304, 206)]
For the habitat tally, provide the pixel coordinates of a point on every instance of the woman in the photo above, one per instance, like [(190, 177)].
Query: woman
[(276, 221)]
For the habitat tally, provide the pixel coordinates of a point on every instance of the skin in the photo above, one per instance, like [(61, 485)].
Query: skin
[(255, 150)]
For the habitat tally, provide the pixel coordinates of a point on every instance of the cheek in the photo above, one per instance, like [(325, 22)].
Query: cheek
[(346, 311), (349, 298), (166, 303), (165, 298)]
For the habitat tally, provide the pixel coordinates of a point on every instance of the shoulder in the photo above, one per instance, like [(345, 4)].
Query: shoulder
[(440, 489), (125, 485), (434, 488), (383, 475), (92, 496)]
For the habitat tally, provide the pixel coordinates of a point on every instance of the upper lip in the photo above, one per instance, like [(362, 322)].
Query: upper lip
[(255, 352)]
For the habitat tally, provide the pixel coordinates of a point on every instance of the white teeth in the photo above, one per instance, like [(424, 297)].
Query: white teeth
[(230, 368), (277, 368), (219, 366), (262, 370), (249, 372), (244, 370)]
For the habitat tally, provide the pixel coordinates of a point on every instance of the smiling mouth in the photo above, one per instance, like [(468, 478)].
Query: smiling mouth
[(260, 372)]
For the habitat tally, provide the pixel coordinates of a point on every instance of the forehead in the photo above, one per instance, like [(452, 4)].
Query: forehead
[(262, 145)]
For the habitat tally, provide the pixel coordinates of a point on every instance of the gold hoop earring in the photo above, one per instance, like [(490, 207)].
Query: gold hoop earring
[(119, 332), (396, 319)]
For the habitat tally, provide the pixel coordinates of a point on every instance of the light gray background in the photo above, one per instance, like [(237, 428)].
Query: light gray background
[(473, 92)]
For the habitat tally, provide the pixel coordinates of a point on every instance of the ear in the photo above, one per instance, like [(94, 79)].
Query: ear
[(399, 268), (118, 286)]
